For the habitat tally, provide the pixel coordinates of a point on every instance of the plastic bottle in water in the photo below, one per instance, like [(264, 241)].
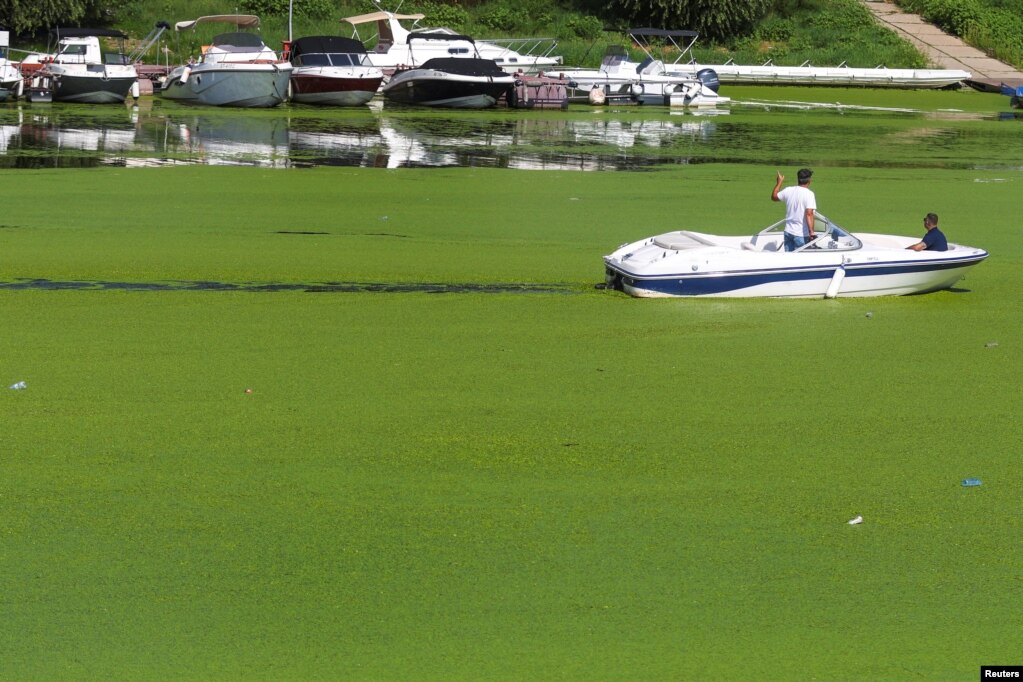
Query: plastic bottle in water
[(970, 482), (18, 386)]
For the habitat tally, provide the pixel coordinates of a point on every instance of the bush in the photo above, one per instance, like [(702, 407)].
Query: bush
[(715, 19), (499, 18), (307, 8), (451, 16), (585, 27)]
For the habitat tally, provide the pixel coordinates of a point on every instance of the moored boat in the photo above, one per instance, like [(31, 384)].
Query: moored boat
[(837, 263), (236, 70), (332, 70), (621, 80), (80, 72), (458, 82), (393, 48)]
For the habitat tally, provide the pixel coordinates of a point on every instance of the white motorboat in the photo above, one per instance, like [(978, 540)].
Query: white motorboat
[(11, 81), (332, 70), (236, 70), (837, 263), (80, 72), (805, 74), (458, 82), (620, 80), (393, 49)]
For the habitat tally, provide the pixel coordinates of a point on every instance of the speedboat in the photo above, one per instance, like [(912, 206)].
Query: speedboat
[(332, 70), (80, 72), (393, 48), (459, 82), (620, 80), (236, 69), (837, 263)]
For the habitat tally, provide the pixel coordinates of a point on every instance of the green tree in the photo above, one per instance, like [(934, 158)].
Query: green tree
[(715, 19), (24, 17)]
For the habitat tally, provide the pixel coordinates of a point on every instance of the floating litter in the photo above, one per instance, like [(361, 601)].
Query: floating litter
[(869, 315), (858, 520), (971, 482), (18, 386), (991, 344)]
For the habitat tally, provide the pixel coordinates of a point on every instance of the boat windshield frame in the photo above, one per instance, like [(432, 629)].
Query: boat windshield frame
[(832, 238)]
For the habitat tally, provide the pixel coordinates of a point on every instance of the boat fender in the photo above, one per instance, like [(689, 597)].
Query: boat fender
[(21, 88), (668, 88), (836, 282), (185, 73), (637, 89), (597, 96), (135, 90)]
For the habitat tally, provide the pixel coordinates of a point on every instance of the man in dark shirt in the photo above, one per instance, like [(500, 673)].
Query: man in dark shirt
[(934, 240)]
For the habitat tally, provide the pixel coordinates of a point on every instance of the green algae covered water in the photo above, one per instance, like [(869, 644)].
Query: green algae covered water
[(296, 416)]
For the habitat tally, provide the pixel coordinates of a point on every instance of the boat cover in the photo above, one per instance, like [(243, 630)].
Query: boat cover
[(466, 66), (327, 44)]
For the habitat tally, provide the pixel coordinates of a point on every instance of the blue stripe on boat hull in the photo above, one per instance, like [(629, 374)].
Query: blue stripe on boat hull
[(723, 283)]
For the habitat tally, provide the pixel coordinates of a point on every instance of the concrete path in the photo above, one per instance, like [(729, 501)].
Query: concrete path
[(944, 50)]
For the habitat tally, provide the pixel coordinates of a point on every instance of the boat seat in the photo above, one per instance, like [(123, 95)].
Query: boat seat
[(765, 246)]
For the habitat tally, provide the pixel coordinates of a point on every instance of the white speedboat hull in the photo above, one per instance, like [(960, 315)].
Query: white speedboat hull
[(693, 264)]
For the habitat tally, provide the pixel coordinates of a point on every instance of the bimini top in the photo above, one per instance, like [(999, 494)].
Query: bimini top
[(380, 16), (465, 66), (239, 20), (87, 32), (328, 45), (662, 33)]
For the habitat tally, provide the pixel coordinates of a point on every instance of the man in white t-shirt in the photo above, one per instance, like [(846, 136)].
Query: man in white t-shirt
[(800, 203)]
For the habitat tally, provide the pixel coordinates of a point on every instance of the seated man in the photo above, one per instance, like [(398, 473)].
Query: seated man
[(934, 239)]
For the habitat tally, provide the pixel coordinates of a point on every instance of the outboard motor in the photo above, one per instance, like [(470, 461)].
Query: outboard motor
[(709, 78)]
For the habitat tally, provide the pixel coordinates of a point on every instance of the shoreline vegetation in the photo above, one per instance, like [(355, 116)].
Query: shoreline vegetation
[(823, 32)]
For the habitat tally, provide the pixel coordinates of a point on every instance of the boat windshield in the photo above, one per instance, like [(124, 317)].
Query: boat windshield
[(332, 59), (830, 237)]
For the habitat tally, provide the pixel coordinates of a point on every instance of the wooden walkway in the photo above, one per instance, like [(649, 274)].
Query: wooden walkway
[(943, 50)]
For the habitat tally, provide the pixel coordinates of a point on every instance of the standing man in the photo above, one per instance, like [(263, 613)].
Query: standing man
[(800, 203), (934, 239)]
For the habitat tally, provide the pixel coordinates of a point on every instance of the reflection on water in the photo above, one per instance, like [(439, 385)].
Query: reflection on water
[(157, 133)]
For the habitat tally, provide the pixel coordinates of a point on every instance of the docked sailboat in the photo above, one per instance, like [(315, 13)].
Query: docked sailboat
[(236, 70), (332, 70), (80, 72)]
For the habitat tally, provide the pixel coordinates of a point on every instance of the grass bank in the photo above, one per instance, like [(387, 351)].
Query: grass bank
[(495, 485), (824, 32)]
